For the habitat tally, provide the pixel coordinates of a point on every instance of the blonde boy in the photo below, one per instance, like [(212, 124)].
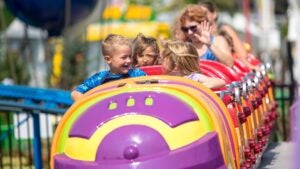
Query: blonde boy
[(116, 50)]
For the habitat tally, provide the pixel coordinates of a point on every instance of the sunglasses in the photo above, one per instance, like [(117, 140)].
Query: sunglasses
[(192, 28)]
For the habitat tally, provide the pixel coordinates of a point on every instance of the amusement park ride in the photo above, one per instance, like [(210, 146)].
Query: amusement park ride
[(159, 121), (134, 123)]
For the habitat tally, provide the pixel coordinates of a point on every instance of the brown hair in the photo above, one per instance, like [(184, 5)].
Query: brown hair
[(140, 43), (112, 42), (182, 54), (209, 6), (228, 39), (192, 13)]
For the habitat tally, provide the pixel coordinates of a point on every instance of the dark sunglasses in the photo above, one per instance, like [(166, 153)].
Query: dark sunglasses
[(192, 28)]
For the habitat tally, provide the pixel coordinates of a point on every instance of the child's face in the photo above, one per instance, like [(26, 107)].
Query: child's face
[(169, 67), (147, 58), (166, 65), (120, 60)]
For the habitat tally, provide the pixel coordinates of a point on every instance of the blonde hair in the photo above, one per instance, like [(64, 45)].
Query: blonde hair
[(112, 42), (140, 43), (182, 54)]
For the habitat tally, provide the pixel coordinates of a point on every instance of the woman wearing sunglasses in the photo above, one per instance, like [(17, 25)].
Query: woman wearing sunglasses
[(238, 46), (196, 29)]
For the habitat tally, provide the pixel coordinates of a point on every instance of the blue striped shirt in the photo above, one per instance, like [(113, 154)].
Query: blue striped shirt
[(105, 76)]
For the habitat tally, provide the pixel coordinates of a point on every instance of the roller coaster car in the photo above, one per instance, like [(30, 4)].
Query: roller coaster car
[(253, 60), (227, 71), (240, 67), (153, 70), (132, 123), (207, 70)]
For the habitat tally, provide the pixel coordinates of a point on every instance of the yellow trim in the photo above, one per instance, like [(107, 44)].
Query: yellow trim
[(86, 149)]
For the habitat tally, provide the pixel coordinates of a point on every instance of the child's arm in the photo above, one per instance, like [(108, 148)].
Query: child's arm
[(76, 95), (136, 72), (93, 81), (211, 82)]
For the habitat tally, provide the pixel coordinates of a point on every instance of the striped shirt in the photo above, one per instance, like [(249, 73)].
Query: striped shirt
[(105, 76)]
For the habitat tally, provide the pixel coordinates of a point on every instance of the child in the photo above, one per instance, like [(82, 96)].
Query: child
[(181, 59), (117, 54), (145, 51)]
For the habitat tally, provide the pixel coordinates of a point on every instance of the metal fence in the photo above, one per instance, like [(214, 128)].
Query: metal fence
[(285, 95), (28, 118)]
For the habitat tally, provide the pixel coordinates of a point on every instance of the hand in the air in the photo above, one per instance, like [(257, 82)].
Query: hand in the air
[(205, 33)]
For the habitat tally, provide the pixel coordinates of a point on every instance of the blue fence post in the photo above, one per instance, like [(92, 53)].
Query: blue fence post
[(34, 101), (37, 148)]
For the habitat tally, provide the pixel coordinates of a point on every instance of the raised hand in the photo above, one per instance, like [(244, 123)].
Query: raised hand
[(205, 33)]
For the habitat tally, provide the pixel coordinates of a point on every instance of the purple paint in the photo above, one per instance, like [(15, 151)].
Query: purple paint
[(213, 101), (131, 153), (204, 153), (131, 142), (166, 107), (294, 112), (295, 130)]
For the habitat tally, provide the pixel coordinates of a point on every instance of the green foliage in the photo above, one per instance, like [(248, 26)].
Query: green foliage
[(15, 67), (74, 63), (191, 1), (228, 5), (6, 17), (284, 29)]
